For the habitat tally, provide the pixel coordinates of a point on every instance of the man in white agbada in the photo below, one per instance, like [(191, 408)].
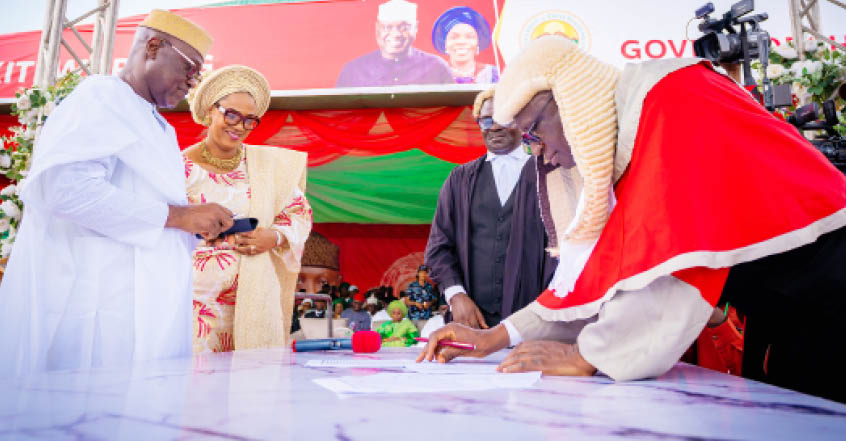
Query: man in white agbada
[(101, 270)]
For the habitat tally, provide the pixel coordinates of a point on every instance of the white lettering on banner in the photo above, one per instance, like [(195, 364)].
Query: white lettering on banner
[(9, 67), (208, 67), (23, 66), (26, 75)]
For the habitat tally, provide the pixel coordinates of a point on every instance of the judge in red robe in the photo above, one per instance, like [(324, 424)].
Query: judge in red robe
[(667, 187)]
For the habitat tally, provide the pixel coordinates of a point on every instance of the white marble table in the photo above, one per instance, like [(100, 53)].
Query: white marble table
[(269, 394)]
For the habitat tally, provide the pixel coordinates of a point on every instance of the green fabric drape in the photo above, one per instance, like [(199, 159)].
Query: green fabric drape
[(400, 188)]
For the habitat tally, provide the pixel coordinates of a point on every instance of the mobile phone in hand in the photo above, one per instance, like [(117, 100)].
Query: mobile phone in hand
[(240, 225)]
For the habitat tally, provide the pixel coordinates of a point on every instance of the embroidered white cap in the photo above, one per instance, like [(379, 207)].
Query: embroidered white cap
[(397, 10)]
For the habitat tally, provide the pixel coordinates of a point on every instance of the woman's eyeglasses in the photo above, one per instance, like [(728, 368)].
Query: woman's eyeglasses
[(232, 117)]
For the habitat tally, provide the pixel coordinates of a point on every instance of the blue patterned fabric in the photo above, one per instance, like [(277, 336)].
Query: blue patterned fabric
[(420, 294)]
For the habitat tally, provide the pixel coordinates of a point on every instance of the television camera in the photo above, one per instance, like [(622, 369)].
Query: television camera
[(723, 44)]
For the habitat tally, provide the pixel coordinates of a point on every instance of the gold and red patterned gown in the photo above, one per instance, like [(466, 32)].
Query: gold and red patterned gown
[(216, 269)]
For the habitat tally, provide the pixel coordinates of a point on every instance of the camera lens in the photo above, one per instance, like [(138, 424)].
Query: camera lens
[(719, 48)]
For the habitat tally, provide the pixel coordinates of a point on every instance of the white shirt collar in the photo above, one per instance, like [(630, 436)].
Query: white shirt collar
[(517, 154)]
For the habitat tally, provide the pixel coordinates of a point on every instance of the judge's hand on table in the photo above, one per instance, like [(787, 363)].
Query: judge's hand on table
[(487, 341), (465, 311), (207, 220), (549, 357)]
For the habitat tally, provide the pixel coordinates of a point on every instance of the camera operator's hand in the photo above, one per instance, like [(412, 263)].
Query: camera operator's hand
[(465, 311), (207, 220)]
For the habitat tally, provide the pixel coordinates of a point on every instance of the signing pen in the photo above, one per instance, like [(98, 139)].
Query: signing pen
[(454, 344)]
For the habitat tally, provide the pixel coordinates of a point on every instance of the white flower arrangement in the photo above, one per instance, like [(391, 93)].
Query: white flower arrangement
[(10, 219), (32, 107), (816, 79)]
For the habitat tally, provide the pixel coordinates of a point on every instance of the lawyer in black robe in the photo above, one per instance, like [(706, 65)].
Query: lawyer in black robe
[(526, 269)]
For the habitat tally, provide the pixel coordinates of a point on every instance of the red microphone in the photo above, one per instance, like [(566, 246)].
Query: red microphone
[(361, 341)]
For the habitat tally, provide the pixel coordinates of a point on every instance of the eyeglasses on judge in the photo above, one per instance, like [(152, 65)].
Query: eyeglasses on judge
[(529, 136), (233, 117)]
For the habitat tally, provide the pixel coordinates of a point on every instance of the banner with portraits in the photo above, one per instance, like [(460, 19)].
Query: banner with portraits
[(411, 45), (315, 45)]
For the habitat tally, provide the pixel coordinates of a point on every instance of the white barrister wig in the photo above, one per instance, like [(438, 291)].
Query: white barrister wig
[(583, 88)]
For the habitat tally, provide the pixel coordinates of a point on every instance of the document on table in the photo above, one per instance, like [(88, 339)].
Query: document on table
[(410, 365), (453, 368), (388, 382), (421, 377), (359, 363)]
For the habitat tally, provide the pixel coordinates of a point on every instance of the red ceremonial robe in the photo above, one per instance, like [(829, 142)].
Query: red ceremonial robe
[(714, 180)]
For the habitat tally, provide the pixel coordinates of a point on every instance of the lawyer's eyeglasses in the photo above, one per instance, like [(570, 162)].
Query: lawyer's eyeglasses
[(485, 123)]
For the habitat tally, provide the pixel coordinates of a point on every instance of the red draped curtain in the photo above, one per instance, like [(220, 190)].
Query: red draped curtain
[(447, 133)]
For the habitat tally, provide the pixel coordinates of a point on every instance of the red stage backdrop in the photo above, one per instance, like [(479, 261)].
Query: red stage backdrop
[(447, 133), (295, 45)]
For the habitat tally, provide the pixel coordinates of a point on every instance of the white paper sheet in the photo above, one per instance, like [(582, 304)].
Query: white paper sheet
[(359, 363), (453, 368), (410, 365), (417, 382)]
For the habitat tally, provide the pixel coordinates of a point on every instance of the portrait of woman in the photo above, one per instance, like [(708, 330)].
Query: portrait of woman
[(244, 283), (461, 33)]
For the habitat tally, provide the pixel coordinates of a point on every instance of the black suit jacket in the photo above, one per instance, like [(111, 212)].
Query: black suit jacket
[(529, 268)]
